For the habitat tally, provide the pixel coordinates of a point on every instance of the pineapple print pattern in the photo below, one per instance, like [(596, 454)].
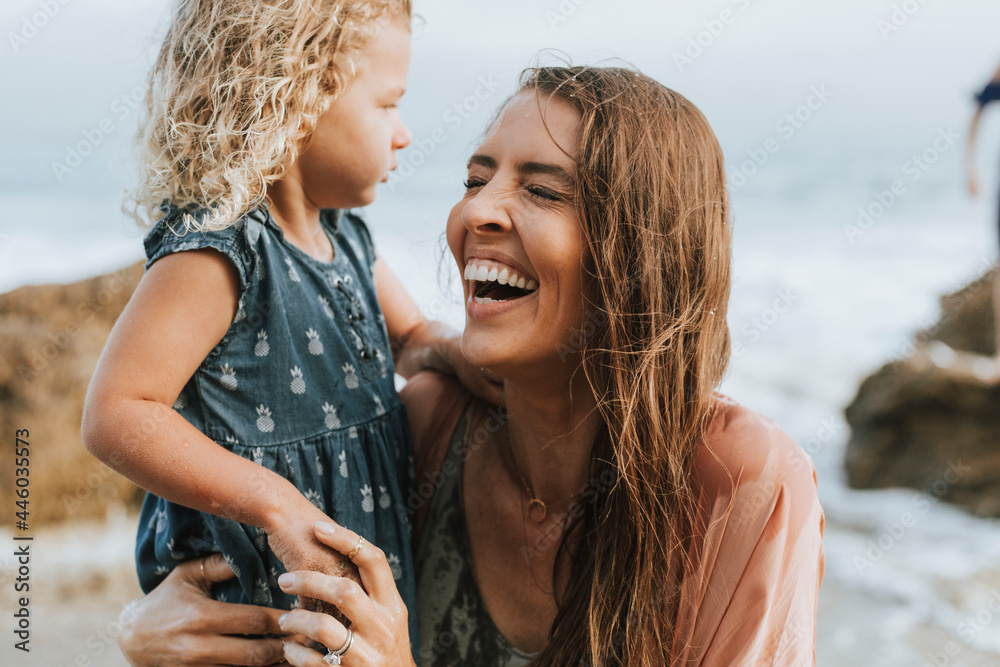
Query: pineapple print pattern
[(367, 501), (330, 420), (379, 408), (358, 343), (228, 380), (264, 422), (350, 377), (293, 275), (312, 495), (298, 385), (315, 344), (383, 497), (343, 465), (395, 566), (181, 402), (326, 307), (262, 347)]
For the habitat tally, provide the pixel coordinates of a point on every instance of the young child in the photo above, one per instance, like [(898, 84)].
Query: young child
[(249, 382)]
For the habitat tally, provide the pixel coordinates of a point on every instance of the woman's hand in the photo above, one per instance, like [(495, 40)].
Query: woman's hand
[(179, 624), (378, 618)]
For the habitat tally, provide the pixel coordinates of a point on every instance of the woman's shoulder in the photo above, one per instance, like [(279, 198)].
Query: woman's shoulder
[(434, 404), (748, 456)]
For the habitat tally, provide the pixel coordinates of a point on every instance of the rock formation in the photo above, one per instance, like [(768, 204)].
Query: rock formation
[(50, 339), (931, 421)]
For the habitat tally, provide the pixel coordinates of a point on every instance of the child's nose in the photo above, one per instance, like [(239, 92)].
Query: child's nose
[(402, 138)]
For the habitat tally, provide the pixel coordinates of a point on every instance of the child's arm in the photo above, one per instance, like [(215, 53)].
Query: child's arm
[(181, 310), (422, 344)]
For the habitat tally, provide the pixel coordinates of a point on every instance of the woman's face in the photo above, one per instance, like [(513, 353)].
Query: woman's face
[(518, 218)]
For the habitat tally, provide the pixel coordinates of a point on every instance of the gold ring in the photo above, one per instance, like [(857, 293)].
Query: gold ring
[(203, 575), (356, 549)]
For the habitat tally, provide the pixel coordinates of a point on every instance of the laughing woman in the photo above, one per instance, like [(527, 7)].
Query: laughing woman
[(619, 511)]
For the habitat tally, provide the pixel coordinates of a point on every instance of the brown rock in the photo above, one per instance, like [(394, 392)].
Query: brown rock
[(51, 337), (931, 421)]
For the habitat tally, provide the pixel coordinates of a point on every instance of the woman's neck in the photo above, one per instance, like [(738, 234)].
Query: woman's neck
[(551, 428)]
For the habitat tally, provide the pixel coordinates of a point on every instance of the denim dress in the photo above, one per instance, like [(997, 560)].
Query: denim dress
[(302, 384)]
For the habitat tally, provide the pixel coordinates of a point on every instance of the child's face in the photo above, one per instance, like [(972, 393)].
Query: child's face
[(353, 147)]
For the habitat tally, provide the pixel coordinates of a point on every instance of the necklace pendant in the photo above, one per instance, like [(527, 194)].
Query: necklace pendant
[(537, 510)]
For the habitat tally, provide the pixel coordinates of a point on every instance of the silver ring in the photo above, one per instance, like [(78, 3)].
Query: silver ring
[(333, 657)]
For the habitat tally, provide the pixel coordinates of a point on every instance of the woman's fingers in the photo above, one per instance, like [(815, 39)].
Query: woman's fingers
[(375, 572), (300, 656), (343, 593), (226, 618), (239, 651), (321, 628), (215, 568)]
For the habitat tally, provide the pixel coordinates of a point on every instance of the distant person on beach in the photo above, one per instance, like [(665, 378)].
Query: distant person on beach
[(619, 510), (990, 93), (248, 385)]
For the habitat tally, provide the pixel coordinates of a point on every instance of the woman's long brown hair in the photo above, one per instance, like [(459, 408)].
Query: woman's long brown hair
[(651, 190)]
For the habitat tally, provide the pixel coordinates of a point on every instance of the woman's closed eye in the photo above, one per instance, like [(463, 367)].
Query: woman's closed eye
[(534, 191), (543, 193)]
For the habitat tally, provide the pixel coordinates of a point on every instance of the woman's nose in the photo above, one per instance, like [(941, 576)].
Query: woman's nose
[(485, 211)]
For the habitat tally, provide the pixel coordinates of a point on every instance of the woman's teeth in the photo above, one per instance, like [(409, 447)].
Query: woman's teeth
[(499, 274)]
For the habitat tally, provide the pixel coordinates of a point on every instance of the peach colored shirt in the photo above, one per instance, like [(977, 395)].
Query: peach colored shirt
[(751, 599)]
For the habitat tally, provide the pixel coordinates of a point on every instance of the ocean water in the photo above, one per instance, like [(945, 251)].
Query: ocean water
[(888, 104)]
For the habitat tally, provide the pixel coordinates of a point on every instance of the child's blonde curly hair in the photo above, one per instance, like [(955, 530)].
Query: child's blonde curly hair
[(236, 91)]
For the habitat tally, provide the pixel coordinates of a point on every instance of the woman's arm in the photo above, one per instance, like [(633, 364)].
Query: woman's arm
[(422, 344), (182, 308), (178, 624)]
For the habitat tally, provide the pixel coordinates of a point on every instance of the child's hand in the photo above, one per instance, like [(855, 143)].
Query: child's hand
[(295, 544), (485, 384)]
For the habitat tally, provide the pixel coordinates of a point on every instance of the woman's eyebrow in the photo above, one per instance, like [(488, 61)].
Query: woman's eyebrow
[(483, 161), (527, 168)]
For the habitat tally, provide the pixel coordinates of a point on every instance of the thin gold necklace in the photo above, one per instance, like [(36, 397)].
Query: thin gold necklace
[(537, 508)]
